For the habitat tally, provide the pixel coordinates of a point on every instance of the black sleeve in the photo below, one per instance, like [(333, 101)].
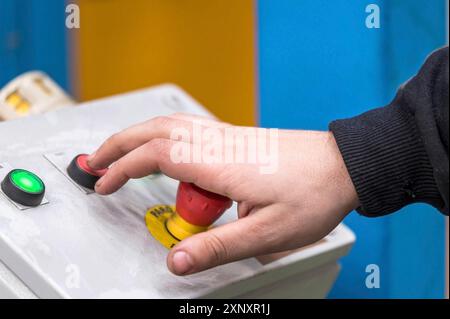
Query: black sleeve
[(398, 154)]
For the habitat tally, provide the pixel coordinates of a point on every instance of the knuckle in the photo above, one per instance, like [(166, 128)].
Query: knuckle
[(115, 142), (157, 145), (112, 140), (229, 181), (217, 248), (118, 171), (159, 149), (162, 121)]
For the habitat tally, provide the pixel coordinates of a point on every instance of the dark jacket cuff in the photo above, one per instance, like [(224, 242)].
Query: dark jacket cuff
[(386, 160)]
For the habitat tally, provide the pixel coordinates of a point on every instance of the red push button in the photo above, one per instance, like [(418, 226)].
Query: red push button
[(82, 174), (82, 163)]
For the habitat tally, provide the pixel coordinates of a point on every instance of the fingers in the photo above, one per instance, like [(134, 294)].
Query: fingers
[(156, 155), (159, 127), (254, 235), (123, 142), (144, 160)]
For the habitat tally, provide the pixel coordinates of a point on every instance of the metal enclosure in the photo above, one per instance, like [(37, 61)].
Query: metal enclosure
[(82, 245)]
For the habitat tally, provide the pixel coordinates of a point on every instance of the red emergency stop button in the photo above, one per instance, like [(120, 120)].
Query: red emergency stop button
[(82, 174), (196, 210), (198, 206)]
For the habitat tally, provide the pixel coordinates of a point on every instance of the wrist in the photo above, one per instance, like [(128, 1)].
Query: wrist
[(345, 191)]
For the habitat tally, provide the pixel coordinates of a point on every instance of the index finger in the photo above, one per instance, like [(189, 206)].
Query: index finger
[(131, 138), (156, 156)]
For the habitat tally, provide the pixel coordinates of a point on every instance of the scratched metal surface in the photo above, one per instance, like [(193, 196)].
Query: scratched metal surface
[(89, 246)]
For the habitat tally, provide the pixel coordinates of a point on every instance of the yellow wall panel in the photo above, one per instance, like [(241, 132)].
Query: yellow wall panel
[(205, 46)]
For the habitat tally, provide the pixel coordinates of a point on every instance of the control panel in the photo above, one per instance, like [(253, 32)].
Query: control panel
[(62, 240)]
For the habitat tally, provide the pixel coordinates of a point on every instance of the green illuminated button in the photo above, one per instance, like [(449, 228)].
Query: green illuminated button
[(27, 181), (23, 187)]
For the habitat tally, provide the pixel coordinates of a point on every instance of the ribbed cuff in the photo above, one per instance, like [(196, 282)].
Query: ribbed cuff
[(386, 160)]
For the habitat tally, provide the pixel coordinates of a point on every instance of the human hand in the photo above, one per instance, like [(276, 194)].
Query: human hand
[(299, 203)]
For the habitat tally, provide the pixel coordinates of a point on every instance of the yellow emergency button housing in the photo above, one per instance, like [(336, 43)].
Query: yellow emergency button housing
[(196, 210), (156, 219)]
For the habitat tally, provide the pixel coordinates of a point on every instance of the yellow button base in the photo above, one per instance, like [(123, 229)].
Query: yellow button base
[(156, 219), (181, 229), (162, 218)]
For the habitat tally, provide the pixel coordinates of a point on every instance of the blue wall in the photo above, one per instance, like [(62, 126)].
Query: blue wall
[(318, 62), (33, 37)]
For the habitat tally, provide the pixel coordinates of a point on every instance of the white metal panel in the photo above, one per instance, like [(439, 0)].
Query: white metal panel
[(87, 246)]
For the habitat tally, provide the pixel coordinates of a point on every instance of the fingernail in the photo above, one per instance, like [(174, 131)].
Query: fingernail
[(182, 263)]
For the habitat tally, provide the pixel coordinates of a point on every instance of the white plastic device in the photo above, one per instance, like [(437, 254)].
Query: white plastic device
[(31, 93)]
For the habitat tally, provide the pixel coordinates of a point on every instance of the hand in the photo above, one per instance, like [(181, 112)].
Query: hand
[(303, 200)]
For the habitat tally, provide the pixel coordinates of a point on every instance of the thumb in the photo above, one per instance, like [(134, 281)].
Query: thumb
[(253, 235)]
